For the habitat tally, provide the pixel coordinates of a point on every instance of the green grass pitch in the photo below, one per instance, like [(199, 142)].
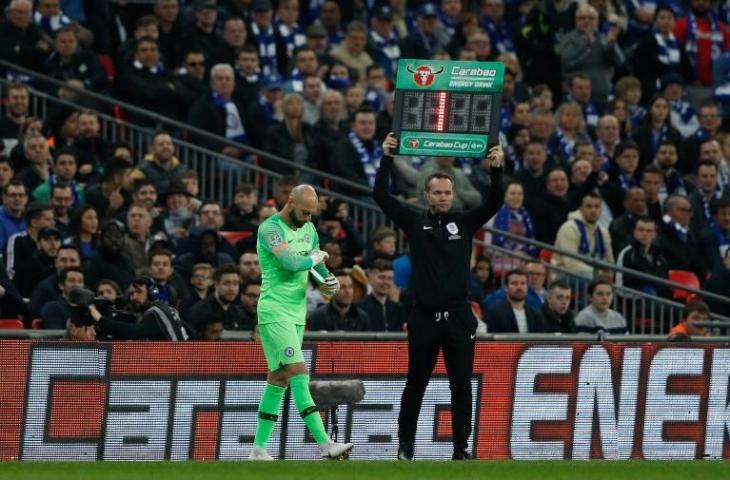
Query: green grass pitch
[(352, 470)]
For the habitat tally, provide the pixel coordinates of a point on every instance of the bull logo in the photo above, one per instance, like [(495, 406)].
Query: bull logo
[(424, 75), (413, 143)]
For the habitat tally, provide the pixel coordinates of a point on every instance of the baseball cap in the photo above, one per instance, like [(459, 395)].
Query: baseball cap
[(316, 30), (261, 5), (428, 10), (384, 13), (670, 78), (205, 4), (272, 82), (49, 232)]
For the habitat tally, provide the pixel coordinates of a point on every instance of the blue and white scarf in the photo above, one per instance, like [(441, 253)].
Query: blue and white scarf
[(234, 125), (293, 36), (715, 37), (267, 108), (679, 231), (390, 47), (314, 7), (673, 183), (505, 117), (722, 239), (599, 246), (637, 114), (514, 159), (370, 160), (683, 109), (297, 81), (590, 113), (627, 181), (635, 25), (504, 218), (500, 35), (667, 48), (562, 145), (51, 24), (335, 39), (658, 138), (603, 154), (266, 41), (722, 91), (376, 99), (448, 22)]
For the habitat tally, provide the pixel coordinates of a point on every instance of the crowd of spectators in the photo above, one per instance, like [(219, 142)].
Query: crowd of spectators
[(613, 119)]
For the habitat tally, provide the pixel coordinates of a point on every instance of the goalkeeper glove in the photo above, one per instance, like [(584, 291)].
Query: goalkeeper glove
[(318, 256), (330, 287)]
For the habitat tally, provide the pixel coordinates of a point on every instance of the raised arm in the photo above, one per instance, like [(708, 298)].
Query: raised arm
[(401, 215), (272, 239), (479, 215)]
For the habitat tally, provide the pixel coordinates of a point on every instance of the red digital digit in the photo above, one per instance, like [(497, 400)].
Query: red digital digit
[(442, 98)]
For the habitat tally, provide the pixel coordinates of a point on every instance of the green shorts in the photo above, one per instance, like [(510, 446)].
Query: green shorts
[(282, 343)]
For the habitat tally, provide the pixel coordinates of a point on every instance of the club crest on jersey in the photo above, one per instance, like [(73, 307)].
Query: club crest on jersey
[(307, 238), (275, 239), (452, 228), (289, 352), (424, 75)]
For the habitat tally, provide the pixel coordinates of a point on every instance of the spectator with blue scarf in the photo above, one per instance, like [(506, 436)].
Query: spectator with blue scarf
[(357, 156), (581, 234), (622, 176), (659, 53), (579, 90), (665, 160), (683, 114), (218, 113), (423, 41), (513, 218), (707, 192), (287, 26), (704, 37), (265, 111), (714, 239), (383, 41), (570, 128), (655, 129), (710, 122), (676, 241), (270, 44), (64, 171), (492, 20)]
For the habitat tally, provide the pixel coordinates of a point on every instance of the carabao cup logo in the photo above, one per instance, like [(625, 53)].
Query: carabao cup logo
[(413, 143), (424, 75)]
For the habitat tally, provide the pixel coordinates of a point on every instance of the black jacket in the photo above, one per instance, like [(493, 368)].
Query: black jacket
[(644, 137), (622, 232), (557, 323), (649, 69), (234, 318), (719, 283), (206, 115), (501, 319), (157, 91), (632, 257), (711, 254), (440, 243), (280, 142), (20, 46), (680, 255), (105, 265), (328, 318), (84, 65), (389, 317)]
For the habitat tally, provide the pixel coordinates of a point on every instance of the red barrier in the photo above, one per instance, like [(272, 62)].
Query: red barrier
[(156, 401)]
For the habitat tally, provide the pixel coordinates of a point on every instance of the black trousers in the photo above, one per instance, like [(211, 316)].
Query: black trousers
[(453, 332)]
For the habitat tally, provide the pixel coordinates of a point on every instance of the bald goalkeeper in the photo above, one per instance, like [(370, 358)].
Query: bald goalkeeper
[(288, 248)]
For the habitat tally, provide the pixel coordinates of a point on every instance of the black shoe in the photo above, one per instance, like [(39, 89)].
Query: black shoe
[(461, 454), (405, 451)]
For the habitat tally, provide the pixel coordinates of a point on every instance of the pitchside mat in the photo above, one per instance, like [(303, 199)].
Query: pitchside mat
[(355, 470), (447, 108)]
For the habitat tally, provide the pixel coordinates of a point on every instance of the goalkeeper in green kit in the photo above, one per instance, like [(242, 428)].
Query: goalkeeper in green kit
[(288, 248)]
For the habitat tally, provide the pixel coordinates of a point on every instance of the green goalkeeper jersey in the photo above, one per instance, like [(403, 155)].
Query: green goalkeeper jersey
[(285, 263)]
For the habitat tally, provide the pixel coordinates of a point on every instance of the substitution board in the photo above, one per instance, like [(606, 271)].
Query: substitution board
[(447, 108)]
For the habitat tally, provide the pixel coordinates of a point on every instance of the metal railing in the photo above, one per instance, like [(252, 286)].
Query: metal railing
[(645, 313), (220, 174)]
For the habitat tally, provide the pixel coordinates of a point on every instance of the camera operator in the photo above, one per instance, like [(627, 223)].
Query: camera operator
[(157, 319)]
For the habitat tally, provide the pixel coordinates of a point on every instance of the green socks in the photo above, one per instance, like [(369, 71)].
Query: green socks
[(303, 400), (268, 413)]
